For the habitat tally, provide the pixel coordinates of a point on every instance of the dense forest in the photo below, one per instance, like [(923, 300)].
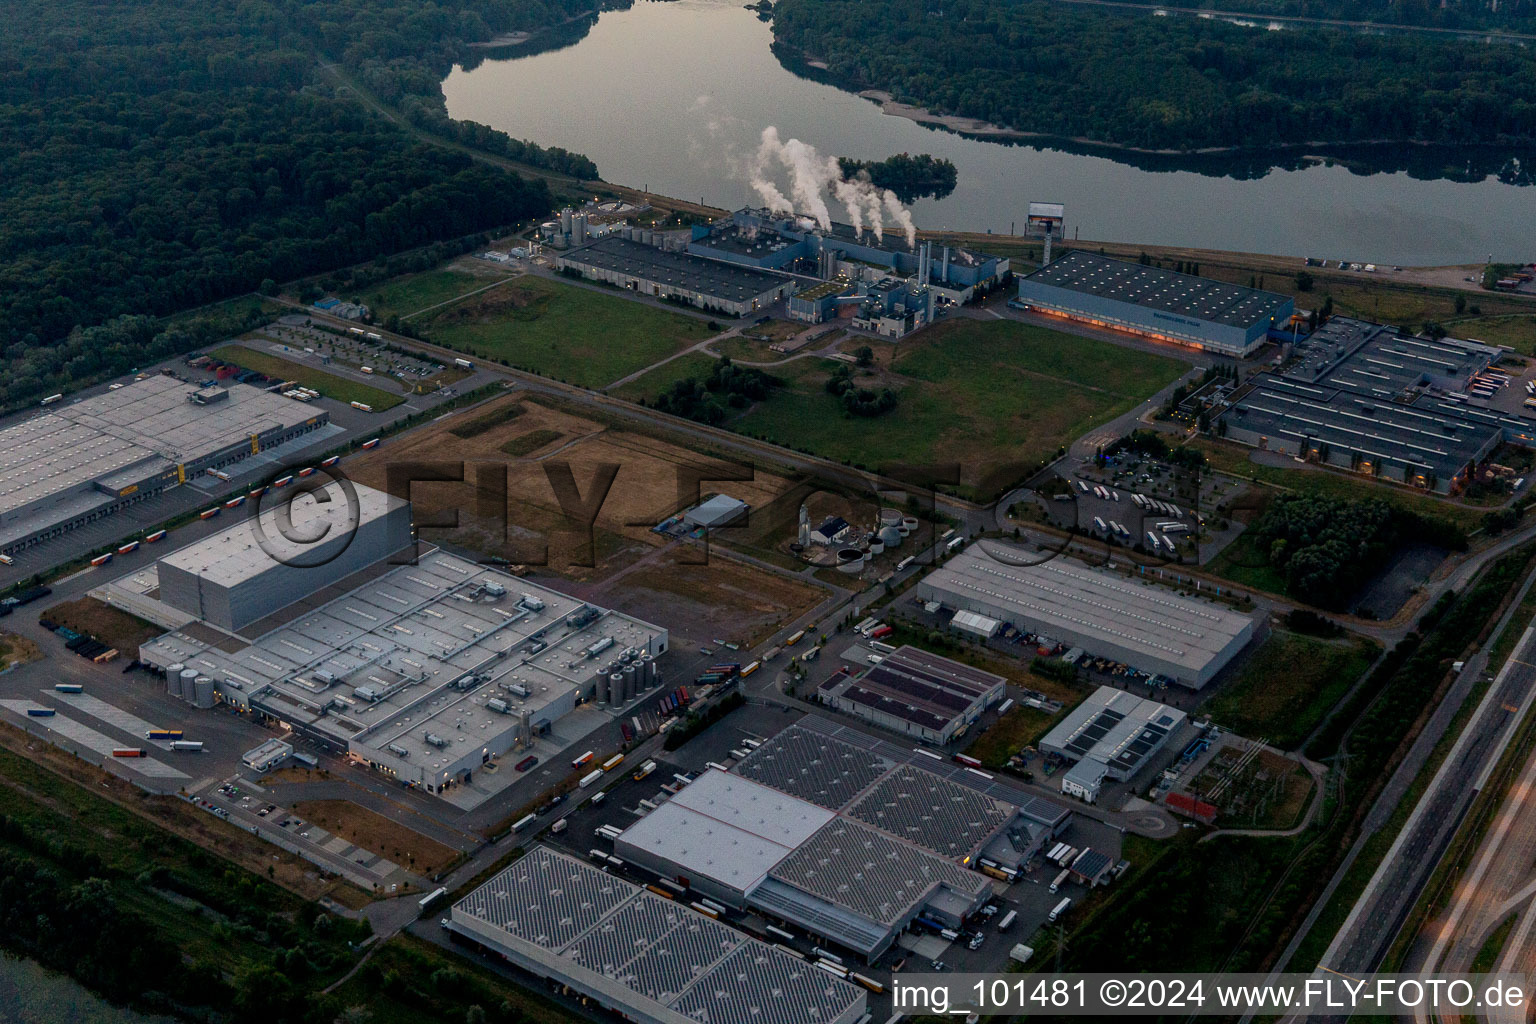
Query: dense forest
[(910, 177), (1328, 548), (160, 154), (1171, 83)]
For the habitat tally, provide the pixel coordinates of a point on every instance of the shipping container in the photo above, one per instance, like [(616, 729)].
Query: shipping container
[(590, 778), (328, 463), (371, 443), (363, 406), (836, 970), (869, 983), (660, 892), (163, 734), (102, 559), (464, 364), (40, 712), (306, 471), (157, 535), (645, 770), (559, 826), (1021, 953), (235, 502), (129, 548), (780, 933), (1061, 908), (967, 760), (794, 638), (190, 746), (613, 762), (583, 760), (1060, 880), (1006, 921), (127, 752), (707, 912), (208, 513), (68, 687), (51, 399), (750, 669), (432, 897), (282, 481), (524, 822)]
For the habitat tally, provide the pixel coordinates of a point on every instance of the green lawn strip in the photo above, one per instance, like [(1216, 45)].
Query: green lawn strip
[(1488, 956), (578, 335), (328, 384), (413, 293), (1288, 685), (1021, 726), (524, 444)]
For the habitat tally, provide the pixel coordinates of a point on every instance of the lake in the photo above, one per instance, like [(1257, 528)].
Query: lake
[(32, 994), (673, 96)]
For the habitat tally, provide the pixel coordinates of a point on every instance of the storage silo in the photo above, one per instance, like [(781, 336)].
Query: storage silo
[(891, 536), (616, 689), (565, 221), (631, 672), (203, 691), (189, 684), (647, 672), (173, 679)]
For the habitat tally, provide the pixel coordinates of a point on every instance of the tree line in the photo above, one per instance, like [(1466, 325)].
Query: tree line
[(156, 156), (1170, 83)]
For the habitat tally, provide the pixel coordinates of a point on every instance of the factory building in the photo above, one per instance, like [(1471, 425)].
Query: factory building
[(1368, 398), (423, 670), (75, 463), (1111, 736), (721, 510), (640, 956), (1107, 614), (759, 238), (842, 835), (1155, 303), (917, 694), (708, 284)]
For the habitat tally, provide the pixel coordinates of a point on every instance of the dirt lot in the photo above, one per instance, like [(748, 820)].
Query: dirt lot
[(647, 483), (377, 834), (724, 598), (17, 650), (1269, 792), (105, 623)]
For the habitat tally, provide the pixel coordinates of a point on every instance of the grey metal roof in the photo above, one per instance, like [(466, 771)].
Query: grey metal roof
[(922, 688), (658, 949), (1065, 594), (932, 812), (713, 278), (1156, 288), (725, 828), (722, 508)]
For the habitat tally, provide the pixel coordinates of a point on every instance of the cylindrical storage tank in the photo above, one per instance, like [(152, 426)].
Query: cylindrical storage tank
[(890, 516), (188, 684), (908, 524), (616, 688), (173, 679), (203, 691), (647, 672), (877, 546), (890, 536), (631, 672), (565, 220), (850, 560)]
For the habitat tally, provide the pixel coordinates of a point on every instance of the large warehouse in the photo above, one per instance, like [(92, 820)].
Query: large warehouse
[(75, 463), (1113, 732), (423, 671), (1367, 398), (1156, 303), (640, 956), (707, 284), (1137, 623), (916, 693), (842, 835)]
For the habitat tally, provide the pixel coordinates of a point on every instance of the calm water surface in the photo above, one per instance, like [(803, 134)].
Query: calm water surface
[(31, 994), (672, 96)]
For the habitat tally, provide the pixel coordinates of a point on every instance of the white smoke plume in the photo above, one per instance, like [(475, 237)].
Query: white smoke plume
[(812, 177)]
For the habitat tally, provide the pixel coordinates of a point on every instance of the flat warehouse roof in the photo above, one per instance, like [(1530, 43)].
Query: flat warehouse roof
[(728, 281), (148, 425), (556, 909), (1155, 288), (1067, 595), (726, 828), (1116, 728), (932, 812)]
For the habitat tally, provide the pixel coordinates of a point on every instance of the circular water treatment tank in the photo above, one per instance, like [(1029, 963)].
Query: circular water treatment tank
[(909, 523), (890, 516), (891, 536), (845, 555), (877, 547)]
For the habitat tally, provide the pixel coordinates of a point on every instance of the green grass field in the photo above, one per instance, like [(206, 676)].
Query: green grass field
[(1518, 332), (413, 293), (986, 395), (1289, 685), (1020, 727), (328, 384), (574, 334), (694, 364)]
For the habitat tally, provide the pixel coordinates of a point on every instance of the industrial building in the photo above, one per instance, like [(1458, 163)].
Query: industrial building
[(72, 464), (1368, 398), (842, 835), (1155, 303), (708, 284), (639, 955), (917, 694), (424, 670), (721, 510), (1105, 613), (759, 238), (1111, 735)]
